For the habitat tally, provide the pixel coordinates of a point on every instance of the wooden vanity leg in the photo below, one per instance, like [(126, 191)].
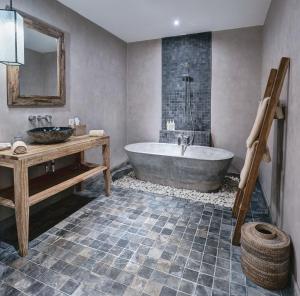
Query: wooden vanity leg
[(22, 205), (237, 203), (80, 160), (106, 173)]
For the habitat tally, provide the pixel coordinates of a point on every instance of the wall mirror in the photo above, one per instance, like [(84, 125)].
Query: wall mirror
[(40, 82)]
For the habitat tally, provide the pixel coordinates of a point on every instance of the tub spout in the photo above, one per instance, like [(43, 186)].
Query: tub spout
[(183, 148), (184, 142)]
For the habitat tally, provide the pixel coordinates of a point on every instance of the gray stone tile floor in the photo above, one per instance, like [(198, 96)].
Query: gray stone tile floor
[(132, 243)]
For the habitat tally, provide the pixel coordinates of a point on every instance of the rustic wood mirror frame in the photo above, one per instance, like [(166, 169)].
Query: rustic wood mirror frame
[(14, 98)]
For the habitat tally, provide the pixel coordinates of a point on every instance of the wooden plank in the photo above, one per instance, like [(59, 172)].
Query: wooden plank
[(13, 84), (27, 192), (61, 152), (8, 194), (268, 93), (61, 185), (106, 162), (80, 161), (14, 97), (260, 149), (41, 153), (42, 183), (22, 205), (6, 203), (237, 202), (270, 83), (7, 163)]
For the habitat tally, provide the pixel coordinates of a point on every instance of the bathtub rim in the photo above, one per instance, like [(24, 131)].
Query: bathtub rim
[(229, 154)]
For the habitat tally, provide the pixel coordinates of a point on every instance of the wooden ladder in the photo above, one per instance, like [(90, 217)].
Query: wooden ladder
[(243, 197)]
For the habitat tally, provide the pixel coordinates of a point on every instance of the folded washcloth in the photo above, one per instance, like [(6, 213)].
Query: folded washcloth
[(5, 146), (19, 147), (96, 133)]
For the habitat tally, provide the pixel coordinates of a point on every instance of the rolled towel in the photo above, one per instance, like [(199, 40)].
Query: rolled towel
[(247, 165), (19, 147), (254, 134), (96, 133)]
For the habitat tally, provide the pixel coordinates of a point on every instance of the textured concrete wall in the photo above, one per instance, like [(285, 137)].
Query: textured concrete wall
[(96, 77), (281, 38), (95, 80), (38, 76), (143, 91), (31, 80), (236, 68), (236, 83), (50, 82)]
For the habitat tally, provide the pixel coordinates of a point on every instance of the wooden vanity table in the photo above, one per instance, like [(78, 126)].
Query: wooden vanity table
[(27, 192)]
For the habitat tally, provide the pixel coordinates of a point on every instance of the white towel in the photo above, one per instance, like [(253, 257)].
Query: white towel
[(19, 147), (96, 133), (247, 165), (256, 129)]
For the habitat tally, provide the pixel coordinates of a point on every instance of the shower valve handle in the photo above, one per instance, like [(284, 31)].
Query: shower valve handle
[(186, 140), (179, 140)]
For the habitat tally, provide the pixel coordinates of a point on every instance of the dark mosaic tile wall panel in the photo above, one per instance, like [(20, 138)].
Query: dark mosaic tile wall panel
[(176, 52), (201, 138)]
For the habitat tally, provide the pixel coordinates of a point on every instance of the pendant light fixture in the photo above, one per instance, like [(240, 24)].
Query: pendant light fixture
[(11, 37)]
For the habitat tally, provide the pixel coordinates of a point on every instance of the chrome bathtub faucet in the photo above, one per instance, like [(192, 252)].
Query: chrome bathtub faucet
[(184, 142)]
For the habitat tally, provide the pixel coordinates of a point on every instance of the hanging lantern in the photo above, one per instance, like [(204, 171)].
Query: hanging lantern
[(11, 37)]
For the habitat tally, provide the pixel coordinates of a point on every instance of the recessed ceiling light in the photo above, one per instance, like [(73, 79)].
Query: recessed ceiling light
[(176, 23)]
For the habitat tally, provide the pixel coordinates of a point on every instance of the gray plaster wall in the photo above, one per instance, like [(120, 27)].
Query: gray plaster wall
[(144, 79), (281, 185), (95, 81), (236, 82), (38, 76), (31, 80), (236, 88), (50, 80)]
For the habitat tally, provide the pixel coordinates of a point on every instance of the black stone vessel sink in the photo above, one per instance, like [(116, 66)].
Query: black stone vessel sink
[(50, 135)]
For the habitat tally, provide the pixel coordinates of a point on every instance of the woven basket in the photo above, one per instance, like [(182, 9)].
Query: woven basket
[(265, 252)]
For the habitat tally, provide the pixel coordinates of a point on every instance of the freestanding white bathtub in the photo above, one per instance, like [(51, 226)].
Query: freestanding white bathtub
[(201, 168)]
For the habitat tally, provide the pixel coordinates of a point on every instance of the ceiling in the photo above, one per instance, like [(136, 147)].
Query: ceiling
[(137, 20)]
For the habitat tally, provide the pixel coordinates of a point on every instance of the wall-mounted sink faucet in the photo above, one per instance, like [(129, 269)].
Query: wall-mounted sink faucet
[(47, 118), (34, 120), (184, 142)]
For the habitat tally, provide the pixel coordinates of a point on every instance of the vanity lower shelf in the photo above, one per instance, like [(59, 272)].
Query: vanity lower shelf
[(27, 192), (42, 187)]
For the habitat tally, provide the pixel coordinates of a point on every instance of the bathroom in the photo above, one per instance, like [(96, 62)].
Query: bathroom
[(117, 79)]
